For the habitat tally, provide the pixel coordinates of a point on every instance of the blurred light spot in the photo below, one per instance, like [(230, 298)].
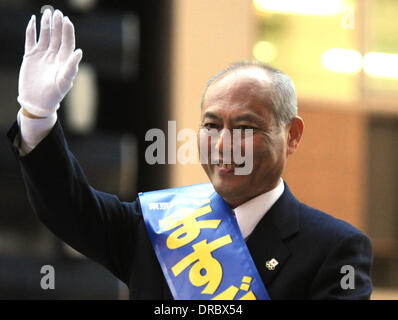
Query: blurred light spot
[(82, 101), (83, 5), (379, 64), (307, 7), (342, 60), (264, 51)]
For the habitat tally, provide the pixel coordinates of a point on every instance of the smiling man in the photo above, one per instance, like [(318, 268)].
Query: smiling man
[(240, 98), (242, 236)]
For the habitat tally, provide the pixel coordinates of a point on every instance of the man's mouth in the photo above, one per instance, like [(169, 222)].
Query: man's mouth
[(230, 165), (226, 166)]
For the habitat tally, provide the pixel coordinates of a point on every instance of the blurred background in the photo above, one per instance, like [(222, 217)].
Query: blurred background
[(147, 62)]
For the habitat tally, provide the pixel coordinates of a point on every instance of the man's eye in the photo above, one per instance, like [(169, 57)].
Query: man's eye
[(210, 125), (245, 127)]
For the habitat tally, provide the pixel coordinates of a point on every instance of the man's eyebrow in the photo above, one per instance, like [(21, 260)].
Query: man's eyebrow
[(251, 117), (211, 115)]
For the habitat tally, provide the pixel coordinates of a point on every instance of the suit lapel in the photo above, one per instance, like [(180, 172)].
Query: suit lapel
[(265, 244), (267, 240)]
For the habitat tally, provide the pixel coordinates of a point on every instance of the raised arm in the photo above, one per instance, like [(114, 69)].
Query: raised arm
[(96, 224), (47, 72)]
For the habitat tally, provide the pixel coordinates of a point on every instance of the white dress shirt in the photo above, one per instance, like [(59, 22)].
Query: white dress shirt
[(251, 212), (33, 130)]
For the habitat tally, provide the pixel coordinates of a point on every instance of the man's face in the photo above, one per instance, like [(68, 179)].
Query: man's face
[(239, 101)]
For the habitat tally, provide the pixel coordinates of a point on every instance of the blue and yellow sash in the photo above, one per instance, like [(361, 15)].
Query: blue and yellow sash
[(199, 245)]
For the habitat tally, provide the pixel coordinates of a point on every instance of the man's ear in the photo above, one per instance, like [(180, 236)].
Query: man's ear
[(295, 133)]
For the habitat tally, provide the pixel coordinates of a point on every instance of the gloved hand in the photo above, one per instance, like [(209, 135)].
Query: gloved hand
[(49, 66)]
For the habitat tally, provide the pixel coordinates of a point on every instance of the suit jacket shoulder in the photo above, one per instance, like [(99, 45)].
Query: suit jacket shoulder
[(311, 248)]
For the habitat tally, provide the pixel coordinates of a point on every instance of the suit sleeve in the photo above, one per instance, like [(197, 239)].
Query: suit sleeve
[(345, 273), (94, 223)]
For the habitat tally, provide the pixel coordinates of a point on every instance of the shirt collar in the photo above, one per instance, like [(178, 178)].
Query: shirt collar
[(249, 214)]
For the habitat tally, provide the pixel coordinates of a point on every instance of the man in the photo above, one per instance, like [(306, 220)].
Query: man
[(291, 251)]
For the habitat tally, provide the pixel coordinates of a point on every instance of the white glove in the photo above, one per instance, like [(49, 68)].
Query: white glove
[(49, 66)]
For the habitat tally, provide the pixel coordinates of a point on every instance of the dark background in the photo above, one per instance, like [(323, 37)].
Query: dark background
[(132, 93)]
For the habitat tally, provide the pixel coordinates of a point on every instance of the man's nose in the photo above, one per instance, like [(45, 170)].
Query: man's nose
[(224, 144)]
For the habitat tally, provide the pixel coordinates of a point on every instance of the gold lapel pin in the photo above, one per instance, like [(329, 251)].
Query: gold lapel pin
[(271, 264)]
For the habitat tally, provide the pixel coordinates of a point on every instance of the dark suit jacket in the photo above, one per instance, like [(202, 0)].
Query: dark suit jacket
[(310, 246)]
